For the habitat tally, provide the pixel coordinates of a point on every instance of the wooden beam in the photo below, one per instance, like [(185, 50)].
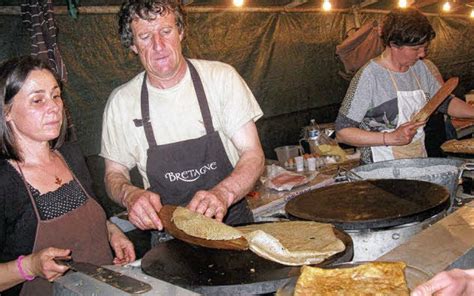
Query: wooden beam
[(295, 3), (15, 10), (366, 3), (424, 3)]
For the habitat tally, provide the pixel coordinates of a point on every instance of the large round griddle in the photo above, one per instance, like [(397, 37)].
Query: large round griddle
[(371, 203), (224, 272)]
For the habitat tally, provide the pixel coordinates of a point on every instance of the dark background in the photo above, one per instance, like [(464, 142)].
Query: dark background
[(287, 58)]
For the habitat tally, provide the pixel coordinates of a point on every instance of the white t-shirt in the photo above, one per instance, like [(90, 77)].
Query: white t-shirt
[(175, 114)]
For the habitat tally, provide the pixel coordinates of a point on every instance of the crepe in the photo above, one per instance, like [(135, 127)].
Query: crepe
[(459, 146), (293, 243), (375, 278), (198, 225)]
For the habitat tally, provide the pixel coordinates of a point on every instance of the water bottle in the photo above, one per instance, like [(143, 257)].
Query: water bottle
[(313, 130)]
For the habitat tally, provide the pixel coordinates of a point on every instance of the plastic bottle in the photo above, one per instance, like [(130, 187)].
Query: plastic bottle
[(313, 130)]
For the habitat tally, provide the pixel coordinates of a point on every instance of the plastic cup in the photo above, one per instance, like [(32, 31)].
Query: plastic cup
[(311, 164), (299, 160), (286, 152)]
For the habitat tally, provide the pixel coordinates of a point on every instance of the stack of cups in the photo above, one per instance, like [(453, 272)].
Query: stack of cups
[(311, 164), (299, 160)]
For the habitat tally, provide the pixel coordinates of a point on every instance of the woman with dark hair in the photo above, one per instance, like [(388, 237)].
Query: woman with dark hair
[(386, 92), (45, 187)]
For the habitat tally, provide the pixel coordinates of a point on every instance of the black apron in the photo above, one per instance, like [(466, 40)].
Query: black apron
[(176, 171)]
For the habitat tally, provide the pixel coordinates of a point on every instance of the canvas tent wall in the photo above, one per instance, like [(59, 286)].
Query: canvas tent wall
[(287, 59)]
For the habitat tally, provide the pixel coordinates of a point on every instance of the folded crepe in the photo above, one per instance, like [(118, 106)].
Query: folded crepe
[(374, 278), (293, 243)]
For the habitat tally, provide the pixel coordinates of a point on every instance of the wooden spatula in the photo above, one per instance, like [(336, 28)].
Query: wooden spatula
[(166, 213), (445, 90)]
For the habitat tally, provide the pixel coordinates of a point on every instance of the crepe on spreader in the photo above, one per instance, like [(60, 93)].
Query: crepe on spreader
[(200, 226)]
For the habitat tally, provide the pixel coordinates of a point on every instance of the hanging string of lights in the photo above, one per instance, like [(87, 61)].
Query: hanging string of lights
[(327, 6), (446, 7)]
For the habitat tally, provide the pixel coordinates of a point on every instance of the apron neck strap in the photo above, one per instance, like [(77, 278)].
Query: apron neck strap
[(202, 99), (145, 108), (33, 204)]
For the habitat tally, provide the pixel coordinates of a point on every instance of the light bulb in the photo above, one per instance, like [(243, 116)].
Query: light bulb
[(238, 3), (472, 13), (327, 5), (447, 6), (403, 3)]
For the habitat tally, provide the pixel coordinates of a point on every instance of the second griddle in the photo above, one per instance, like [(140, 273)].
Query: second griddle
[(371, 203)]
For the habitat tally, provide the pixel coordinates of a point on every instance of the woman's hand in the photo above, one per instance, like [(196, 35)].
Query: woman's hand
[(122, 246), (42, 264), (404, 134)]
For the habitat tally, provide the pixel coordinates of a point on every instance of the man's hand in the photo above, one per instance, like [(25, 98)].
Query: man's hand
[(122, 246), (404, 134), (209, 203), (143, 206)]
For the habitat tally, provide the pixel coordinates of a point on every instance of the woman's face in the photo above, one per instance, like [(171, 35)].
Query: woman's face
[(36, 113), (409, 55)]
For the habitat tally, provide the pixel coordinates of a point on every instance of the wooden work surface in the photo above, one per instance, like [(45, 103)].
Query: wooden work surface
[(269, 201)]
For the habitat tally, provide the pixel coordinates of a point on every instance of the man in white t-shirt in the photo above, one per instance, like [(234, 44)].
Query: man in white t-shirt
[(188, 125)]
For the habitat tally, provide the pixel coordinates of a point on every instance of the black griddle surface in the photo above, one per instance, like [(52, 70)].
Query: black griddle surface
[(371, 203), (224, 272)]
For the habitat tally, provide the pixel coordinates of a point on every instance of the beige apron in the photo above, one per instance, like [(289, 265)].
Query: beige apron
[(408, 102), (82, 230)]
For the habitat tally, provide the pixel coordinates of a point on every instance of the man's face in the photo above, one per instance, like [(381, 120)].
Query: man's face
[(409, 55), (158, 44)]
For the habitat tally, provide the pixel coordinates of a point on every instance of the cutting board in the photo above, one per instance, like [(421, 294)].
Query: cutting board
[(446, 89), (166, 215)]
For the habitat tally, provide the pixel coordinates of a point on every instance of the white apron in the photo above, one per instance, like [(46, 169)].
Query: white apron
[(409, 102)]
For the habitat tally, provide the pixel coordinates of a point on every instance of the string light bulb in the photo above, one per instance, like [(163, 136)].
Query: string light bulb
[(403, 3), (327, 5), (447, 6), (472, 13), (238, 3)]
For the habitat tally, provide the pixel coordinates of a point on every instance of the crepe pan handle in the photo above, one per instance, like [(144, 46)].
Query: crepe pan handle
[(467, 166)]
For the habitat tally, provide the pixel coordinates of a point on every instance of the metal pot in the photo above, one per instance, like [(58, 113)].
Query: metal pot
[(370, 244), (442, 171)]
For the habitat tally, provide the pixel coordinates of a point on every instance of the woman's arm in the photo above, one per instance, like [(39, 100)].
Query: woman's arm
[(459, 108)]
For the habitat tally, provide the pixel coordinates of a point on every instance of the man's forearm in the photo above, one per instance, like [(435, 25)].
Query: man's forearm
[(242, 179), (118, 187)]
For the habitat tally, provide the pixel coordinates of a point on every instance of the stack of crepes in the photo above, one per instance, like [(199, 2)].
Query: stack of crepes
[(459, 146), (289, 243), (373, 278)]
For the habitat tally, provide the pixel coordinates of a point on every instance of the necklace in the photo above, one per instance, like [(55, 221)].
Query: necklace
[(58, 180)]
